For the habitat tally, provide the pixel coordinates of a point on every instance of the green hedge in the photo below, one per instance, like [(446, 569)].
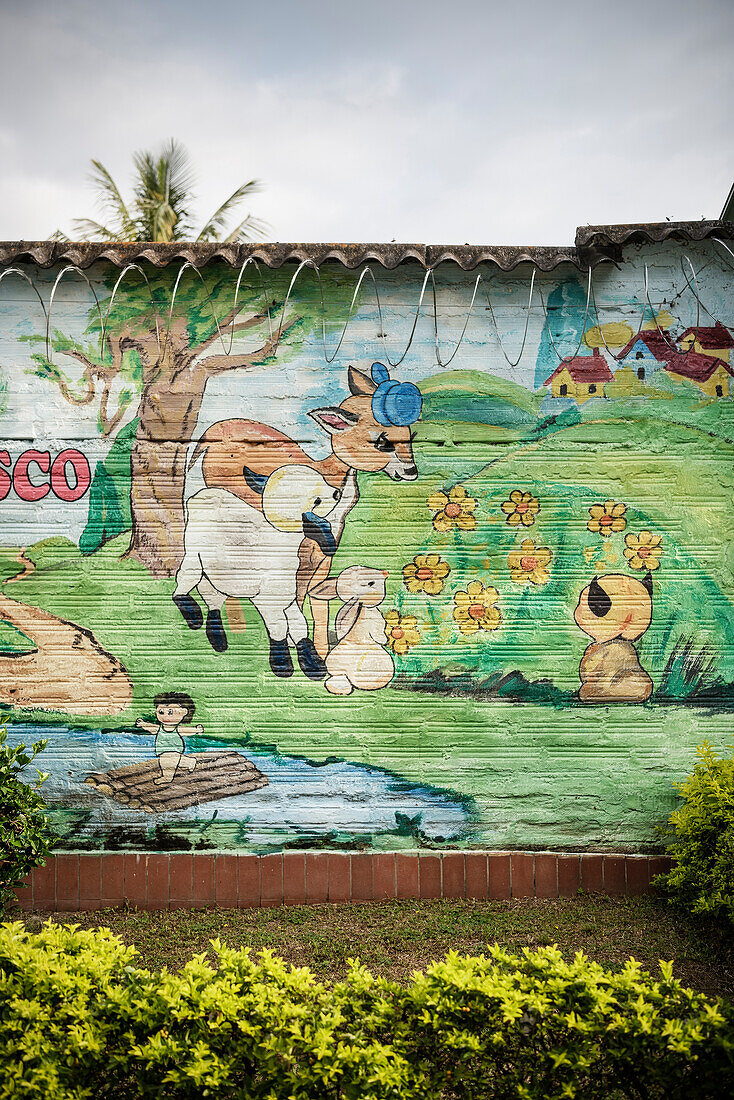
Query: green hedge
[(702, 839), (79, 1019)]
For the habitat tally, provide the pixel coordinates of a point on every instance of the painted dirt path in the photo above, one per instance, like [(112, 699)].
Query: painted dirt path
[(68, 671)]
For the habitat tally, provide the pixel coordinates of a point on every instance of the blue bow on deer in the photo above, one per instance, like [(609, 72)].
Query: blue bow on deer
[(393, 402)]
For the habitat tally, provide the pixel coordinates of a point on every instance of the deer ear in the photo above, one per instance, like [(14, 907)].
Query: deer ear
[(359, 384), (332, 419)]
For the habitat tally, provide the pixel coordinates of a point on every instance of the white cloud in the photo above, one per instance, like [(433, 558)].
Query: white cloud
[(409, 121)]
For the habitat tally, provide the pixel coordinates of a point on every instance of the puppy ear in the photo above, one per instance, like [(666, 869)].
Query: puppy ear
[(599, 603), (647, 582), (324, 591)]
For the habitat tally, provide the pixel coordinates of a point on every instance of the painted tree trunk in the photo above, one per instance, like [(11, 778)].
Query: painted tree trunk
[(168, 413)]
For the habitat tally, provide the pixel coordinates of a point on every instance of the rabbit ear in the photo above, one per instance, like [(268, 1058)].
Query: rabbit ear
[(324, 591), (346, 618)]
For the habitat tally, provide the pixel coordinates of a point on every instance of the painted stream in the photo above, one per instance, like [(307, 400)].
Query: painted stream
[(338, 802)]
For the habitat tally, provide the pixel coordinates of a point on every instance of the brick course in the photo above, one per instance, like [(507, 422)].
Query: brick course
[(80, 882)]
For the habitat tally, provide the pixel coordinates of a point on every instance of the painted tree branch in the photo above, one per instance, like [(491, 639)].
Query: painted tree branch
[(217, 364), (228, 327)]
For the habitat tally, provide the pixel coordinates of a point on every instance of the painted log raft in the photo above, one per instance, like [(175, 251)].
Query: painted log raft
[(216, 775)]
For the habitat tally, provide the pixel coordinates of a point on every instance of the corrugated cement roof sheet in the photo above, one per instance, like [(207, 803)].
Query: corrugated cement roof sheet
[(594, 244)]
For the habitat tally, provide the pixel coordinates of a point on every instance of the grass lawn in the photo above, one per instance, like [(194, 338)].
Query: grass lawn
[(396, 937)]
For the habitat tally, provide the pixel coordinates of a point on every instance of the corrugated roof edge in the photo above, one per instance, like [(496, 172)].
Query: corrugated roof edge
[(594, 244)]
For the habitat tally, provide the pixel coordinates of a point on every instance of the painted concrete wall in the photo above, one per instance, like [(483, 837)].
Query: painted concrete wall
[(259, 592)]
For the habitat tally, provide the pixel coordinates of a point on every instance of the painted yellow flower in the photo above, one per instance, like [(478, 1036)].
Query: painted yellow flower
[(521, 508), (426, 573), (643, 551), (453, 509), (529, 564), (607, 518), (474, 609), (402, 631)]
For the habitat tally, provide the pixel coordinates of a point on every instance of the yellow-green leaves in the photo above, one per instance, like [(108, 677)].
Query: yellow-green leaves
[(79, 1019)]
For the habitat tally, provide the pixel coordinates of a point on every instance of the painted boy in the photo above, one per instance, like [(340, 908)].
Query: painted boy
[(171, 709)]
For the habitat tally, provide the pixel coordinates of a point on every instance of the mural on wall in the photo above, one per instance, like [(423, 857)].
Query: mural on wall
[(407, 605)]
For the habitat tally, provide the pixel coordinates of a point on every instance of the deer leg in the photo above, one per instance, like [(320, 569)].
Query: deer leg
[(214, 600), (310, 662), (276, 625), (320, 611), (187, 578)]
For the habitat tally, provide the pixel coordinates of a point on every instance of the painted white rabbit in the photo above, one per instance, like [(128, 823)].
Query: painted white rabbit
[(359, 659)]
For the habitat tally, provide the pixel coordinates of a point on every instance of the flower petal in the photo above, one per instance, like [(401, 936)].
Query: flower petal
[(466, 523), (436, 501)]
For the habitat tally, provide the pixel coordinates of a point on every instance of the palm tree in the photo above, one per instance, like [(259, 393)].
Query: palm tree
[(160, 209)]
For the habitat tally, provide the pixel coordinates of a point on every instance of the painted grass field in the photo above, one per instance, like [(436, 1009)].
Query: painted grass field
[(556, 772)]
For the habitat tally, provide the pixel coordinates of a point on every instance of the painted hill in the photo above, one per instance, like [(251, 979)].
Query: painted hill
[(479, 397)]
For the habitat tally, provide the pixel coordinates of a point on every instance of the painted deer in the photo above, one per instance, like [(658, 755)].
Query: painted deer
[(369, 430)]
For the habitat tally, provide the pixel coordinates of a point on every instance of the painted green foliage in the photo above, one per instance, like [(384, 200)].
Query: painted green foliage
[(109, 494), (562, 500)]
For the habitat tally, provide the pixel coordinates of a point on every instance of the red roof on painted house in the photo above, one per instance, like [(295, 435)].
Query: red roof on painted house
[(658, 343), (584, 368), (696, 366), (712, 336)]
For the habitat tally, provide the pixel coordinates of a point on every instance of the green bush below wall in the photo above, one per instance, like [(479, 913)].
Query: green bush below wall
[(79, 1019)]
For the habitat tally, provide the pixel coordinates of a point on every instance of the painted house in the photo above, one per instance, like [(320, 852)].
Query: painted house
[(714, 340), (582, 377), (647, 352), (711, 375)]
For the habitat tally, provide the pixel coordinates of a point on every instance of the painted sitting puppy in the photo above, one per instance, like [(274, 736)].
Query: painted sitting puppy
[(615, 610)]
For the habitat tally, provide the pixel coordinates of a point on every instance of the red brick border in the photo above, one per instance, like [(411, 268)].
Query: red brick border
[(73, 882)]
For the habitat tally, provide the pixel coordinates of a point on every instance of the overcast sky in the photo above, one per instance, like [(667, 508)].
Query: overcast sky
[(505, 122)]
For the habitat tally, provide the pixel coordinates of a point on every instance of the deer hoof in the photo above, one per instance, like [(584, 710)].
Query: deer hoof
[(215, 632), (309, 660), (280, 659), (190, 610)]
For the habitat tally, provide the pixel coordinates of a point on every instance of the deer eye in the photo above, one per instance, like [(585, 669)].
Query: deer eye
[(382, 443), (337, 494)]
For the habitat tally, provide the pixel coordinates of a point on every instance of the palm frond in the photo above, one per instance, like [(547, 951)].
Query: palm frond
[(163, 192), (251, 229), (218, 221), (112, 201), (160, 210), (91, 231)]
